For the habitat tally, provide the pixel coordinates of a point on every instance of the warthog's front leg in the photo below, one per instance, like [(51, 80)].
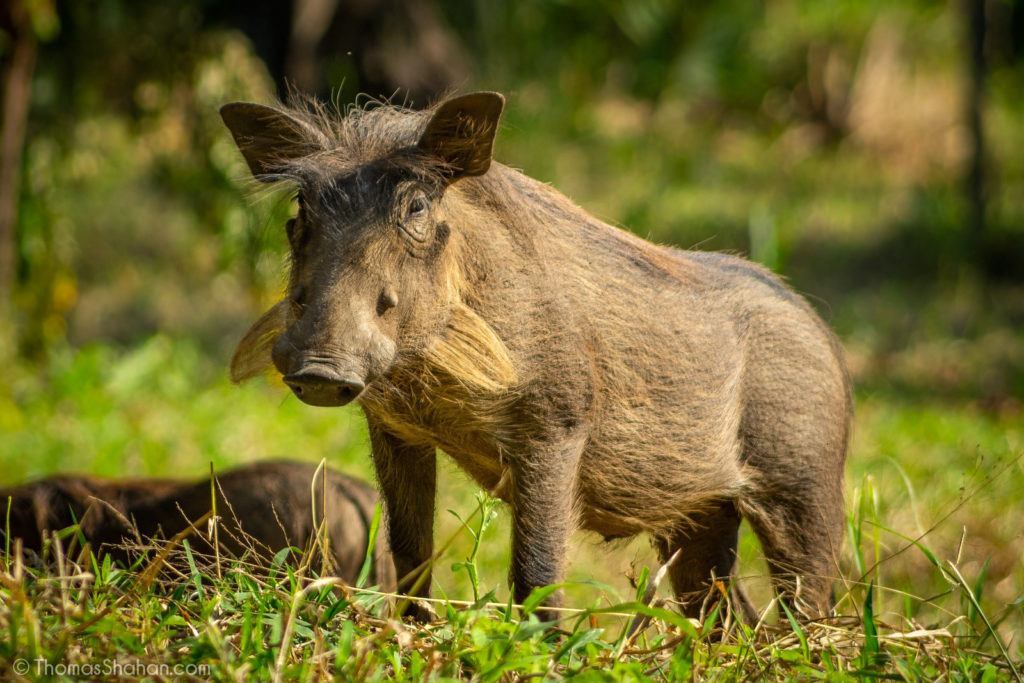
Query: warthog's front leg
[(543, 502), (407, 478)]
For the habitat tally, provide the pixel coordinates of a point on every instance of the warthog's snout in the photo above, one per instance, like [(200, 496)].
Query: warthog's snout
[(320, 385)]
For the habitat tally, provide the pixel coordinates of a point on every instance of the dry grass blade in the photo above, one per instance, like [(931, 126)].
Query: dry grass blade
[(641, 620)]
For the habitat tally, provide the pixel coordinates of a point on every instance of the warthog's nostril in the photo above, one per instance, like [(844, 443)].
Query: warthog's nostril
[(323, 387)]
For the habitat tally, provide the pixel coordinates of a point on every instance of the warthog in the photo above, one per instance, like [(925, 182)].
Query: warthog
[(263, 508), (589, 378)]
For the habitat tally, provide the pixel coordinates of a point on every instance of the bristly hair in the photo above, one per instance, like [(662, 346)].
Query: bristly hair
[(346, 138)]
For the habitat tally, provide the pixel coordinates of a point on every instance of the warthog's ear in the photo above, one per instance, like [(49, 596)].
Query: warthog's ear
[(252, 356), (462, 130), (267, 137)]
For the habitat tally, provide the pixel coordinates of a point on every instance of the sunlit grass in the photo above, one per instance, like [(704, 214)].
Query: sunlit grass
[(225, 619), (934, 547)]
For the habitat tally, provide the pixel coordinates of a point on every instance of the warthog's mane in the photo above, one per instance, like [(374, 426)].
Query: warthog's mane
[(339, 139)]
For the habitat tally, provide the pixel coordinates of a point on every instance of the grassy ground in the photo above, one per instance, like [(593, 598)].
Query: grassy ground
[(930, 584)]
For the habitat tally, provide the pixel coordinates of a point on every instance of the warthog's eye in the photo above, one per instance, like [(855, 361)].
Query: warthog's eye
[(413, 224), (417, 207)]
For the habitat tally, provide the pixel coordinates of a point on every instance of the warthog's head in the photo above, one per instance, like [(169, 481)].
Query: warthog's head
[(370, 277)]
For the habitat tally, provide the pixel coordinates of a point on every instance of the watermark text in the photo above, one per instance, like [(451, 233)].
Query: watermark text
[(108, 668)]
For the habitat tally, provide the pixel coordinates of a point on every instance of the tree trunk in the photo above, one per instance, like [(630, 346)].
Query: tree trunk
[(975, 177), (16, 67)]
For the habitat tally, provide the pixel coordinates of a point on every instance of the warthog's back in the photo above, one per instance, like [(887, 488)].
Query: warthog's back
[(697, 358)]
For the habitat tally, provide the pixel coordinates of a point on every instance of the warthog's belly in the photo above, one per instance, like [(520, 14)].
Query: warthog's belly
[(487, 471)]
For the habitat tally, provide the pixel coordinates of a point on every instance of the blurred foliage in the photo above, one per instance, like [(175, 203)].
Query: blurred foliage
[(135, 216), (824, 139)]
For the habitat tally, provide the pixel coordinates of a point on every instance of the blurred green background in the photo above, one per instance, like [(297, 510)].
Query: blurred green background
[(871, 152)]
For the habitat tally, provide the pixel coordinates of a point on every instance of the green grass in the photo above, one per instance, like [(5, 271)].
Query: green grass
[(223, 620), (930, 583)]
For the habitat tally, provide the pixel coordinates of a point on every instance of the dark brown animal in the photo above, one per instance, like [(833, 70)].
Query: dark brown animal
[(585, 376), (263, 508)]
